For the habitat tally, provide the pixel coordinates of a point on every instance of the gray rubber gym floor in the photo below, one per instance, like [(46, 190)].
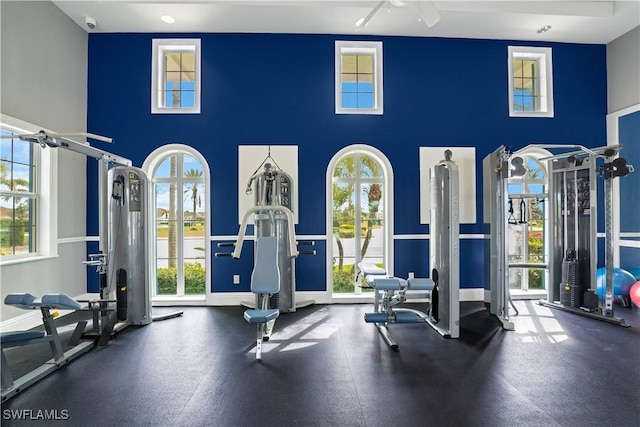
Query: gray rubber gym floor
[(324, 366)]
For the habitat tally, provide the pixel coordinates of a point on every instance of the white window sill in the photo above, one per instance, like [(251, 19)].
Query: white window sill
[(172, 300), (362, 111), (351, 298), (158, 110), (548, 115), (534, 294), (25, 259)]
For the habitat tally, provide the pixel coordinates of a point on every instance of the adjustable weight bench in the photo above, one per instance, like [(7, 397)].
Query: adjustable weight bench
[(388, 293), (265, 281), (368, 271), (25, 301)]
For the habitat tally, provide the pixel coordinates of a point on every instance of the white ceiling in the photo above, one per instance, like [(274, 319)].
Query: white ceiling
[(571, 21)]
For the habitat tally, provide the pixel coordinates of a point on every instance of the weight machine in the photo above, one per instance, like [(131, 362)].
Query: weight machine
[(125, 272), (572, 206), (496, 171), (443, 287), (273, 218), (49, 302), (122, 262), (573, 187), (12, 386)]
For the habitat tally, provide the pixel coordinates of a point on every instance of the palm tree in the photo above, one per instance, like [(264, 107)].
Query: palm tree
[(341, 197), (20, 206), (173, 215), (374, 194), (193, 173), (342, 194), (13, 184)]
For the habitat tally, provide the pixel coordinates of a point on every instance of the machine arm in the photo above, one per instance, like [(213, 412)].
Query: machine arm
[(55, 140), (293, 249)]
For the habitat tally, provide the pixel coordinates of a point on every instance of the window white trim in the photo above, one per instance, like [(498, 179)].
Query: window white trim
[(374, 48), (537, 153), (545, 91), (149, 166), (47, 199), (159, 47), (388, 208), (613, 138)]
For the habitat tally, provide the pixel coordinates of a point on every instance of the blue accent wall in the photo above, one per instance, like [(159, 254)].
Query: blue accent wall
[(279, 89), (629, 137), (629, 258)]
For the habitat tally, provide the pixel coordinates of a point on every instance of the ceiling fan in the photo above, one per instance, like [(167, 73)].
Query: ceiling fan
[(426, 11)]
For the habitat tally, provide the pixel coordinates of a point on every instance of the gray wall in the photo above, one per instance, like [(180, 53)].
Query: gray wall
[(44, 82), (623, 71)]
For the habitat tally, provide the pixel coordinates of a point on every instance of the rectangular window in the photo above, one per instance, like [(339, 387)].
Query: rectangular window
[(530, 82), (28, 201), (525, 82), (176, 76), (358, 77), (18, 195)]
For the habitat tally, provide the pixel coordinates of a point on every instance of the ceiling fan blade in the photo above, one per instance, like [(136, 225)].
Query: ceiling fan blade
[(366, 20), (428, 13)]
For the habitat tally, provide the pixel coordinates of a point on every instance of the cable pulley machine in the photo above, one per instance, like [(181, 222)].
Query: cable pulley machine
[(122, 263), (273, 216)]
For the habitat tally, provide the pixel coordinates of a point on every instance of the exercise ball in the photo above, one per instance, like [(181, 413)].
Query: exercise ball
[(622, 282), (634, 293), (635, 271)]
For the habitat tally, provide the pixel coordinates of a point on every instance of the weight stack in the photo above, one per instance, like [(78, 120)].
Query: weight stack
[(590, 300), (569, 288)]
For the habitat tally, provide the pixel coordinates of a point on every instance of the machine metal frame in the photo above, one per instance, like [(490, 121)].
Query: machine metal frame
[(12, 386), (444, 244), (567, 231), (103, 321), (495, 174), (272, 216), (443, 288), (572, 231)]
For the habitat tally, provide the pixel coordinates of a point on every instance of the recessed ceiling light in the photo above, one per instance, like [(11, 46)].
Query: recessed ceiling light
[(168, 19), (544, 29)]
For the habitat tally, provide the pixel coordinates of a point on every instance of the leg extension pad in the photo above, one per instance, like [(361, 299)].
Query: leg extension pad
[(376, 317)]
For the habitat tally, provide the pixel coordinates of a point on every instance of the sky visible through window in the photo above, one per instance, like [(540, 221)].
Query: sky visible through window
[(17, 164), (524, 100), (164, 171), (357, 95), (187, 92)]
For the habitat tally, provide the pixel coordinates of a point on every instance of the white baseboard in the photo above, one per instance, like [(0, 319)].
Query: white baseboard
[(232, 298), (321, 297), (517, 295), (352, 299), (174, 302), (33, 318), (22, 322), (475, 294), (472, 294), (236, 298), (530, 295)]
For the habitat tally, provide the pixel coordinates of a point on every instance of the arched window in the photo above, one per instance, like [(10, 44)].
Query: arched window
[(180, 204), (527, 223), (359, 214)]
